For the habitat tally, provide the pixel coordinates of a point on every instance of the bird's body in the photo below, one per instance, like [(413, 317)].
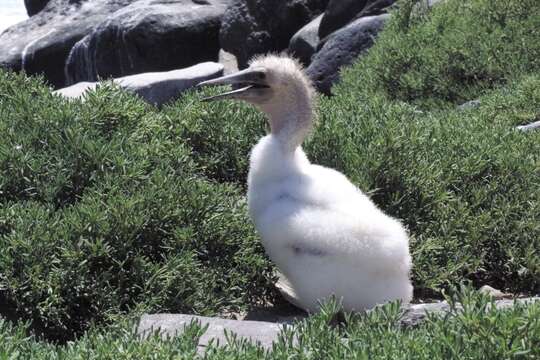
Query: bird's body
[(325, 235)]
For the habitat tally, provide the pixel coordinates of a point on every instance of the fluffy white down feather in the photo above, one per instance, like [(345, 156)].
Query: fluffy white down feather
[(324, 234)]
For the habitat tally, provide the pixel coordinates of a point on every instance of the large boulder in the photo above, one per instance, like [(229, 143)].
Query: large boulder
[(149, 35), (251, 27), (306, 41), (34, 6), (41, 44), (342, 48), (157, 88), (379, 7), (339, 13)]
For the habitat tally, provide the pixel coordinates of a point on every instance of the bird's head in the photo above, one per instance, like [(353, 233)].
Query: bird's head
[(277, 85)]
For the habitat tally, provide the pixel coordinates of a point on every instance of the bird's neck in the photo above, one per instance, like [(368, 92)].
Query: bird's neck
[(291, 124), (269, 163)]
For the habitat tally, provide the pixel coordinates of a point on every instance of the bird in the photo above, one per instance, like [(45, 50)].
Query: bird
[(327, 238)]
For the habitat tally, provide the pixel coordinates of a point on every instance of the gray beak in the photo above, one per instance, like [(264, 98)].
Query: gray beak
[(241, 81)]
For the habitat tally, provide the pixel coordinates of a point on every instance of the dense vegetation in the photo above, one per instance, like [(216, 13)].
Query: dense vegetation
[(110, 206), (104, 209), (476, 332)]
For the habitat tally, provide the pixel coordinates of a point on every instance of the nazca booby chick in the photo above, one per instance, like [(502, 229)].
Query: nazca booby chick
[(325, 235)]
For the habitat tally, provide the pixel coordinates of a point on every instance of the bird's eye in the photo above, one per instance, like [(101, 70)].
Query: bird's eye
[(262, 76)]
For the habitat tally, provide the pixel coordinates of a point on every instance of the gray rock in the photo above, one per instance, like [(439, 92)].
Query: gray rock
[(148, 35), (375, 7), (76, 91), (417, 313), (229, 61), (531, 126), (34, 6), (305, 42), (431, 3), (264, 333), (251, 27), (342, 48), (494, 293), (156, 88), (41, 44), (473, 104), (340, 13)]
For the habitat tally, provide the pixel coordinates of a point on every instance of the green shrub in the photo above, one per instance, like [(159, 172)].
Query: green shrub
[(220, 135), (103, 211), (451, 53)]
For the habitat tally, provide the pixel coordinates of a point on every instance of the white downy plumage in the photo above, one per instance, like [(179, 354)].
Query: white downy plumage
[(323, 233)]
